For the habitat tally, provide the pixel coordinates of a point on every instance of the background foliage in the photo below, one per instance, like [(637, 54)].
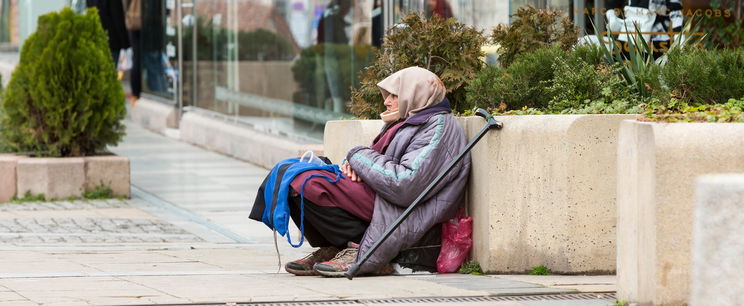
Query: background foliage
[(310, 71), (446, 47), (64, 98), (543, 78), (256, 45), (4, 146)]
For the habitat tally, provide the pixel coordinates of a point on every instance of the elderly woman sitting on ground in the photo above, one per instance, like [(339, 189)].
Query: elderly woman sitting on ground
[(344, 216)]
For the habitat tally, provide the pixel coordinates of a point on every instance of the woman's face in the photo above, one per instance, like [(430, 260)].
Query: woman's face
[(391, 103)]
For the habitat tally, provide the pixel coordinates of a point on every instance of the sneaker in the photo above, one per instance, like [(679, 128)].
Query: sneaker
[(304, 266), (341, 263)]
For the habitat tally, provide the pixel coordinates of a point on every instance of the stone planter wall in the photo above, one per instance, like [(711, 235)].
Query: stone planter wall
[(60, 178), (657, 166), (541, 192)]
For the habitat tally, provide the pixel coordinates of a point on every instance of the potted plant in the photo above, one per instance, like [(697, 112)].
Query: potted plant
[(63, 106)]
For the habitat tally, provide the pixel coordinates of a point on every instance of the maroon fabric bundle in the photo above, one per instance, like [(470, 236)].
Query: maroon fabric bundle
[(354, 197)]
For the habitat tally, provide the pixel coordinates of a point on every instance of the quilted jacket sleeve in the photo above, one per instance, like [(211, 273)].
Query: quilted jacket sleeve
[(400, 181)]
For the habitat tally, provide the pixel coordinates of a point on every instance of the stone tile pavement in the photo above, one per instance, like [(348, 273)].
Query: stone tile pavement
[(184, 237)]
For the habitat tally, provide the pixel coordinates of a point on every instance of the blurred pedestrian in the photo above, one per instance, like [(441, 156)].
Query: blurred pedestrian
[(133, 21), (112, 20)]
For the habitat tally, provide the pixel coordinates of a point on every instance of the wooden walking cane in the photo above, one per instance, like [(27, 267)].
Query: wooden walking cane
[(491, 123)]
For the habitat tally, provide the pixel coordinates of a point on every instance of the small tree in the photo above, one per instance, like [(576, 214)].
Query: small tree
[(532, 29), (445, 47), (64, 98)]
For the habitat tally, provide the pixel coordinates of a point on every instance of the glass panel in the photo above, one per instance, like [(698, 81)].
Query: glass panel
[(158, 43), (281, 65), (4, 21)]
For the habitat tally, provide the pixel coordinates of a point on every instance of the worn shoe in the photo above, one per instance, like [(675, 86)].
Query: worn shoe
[(341, 263), (304, 266)]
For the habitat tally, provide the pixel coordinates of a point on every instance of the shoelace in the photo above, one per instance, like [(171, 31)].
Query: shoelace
[(343, 253)]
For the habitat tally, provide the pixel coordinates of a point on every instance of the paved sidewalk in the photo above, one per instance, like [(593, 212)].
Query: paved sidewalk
[(185, 237)]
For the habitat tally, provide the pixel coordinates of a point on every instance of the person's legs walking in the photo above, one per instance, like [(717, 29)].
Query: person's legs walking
[(135, 76)]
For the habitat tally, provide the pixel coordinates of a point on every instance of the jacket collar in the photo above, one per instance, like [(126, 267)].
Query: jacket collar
[(424, 115)]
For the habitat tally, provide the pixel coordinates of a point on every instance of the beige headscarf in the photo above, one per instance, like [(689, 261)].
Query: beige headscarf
[(417, 89)]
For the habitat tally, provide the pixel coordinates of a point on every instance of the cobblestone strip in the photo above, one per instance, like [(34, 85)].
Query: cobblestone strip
[(65, 205), (90, 230), (86, 230)]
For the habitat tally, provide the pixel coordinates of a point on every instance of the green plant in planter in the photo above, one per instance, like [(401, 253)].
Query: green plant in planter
[(446, 47), (577, 87), (680, 111), (705, 76), (523, 84), (532, 29), (64, 98)]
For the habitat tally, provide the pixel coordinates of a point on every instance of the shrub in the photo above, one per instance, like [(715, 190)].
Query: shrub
[(4, 146), (532, 29), (64, 98), (576, 84), (705, 76), (446, 47), (550, 80), (523, 84)]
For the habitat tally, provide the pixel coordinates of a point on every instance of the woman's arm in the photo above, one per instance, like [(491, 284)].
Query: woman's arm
[(401, 181)]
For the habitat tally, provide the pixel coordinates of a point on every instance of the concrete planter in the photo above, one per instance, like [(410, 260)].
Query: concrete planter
[(541, 192), (8, 178), (657, 166), (59, 178)]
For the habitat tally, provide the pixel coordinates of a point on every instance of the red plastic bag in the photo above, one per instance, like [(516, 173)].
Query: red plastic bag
[(457, 240)]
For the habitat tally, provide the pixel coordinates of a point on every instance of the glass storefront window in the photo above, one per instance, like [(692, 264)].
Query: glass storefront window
[(283, 65), (4, 21)]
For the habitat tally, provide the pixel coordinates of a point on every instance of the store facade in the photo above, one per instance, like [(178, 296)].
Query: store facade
[(282, 66)]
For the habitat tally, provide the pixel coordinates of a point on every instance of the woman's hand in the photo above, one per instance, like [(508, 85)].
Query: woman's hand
[(347, 171)]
